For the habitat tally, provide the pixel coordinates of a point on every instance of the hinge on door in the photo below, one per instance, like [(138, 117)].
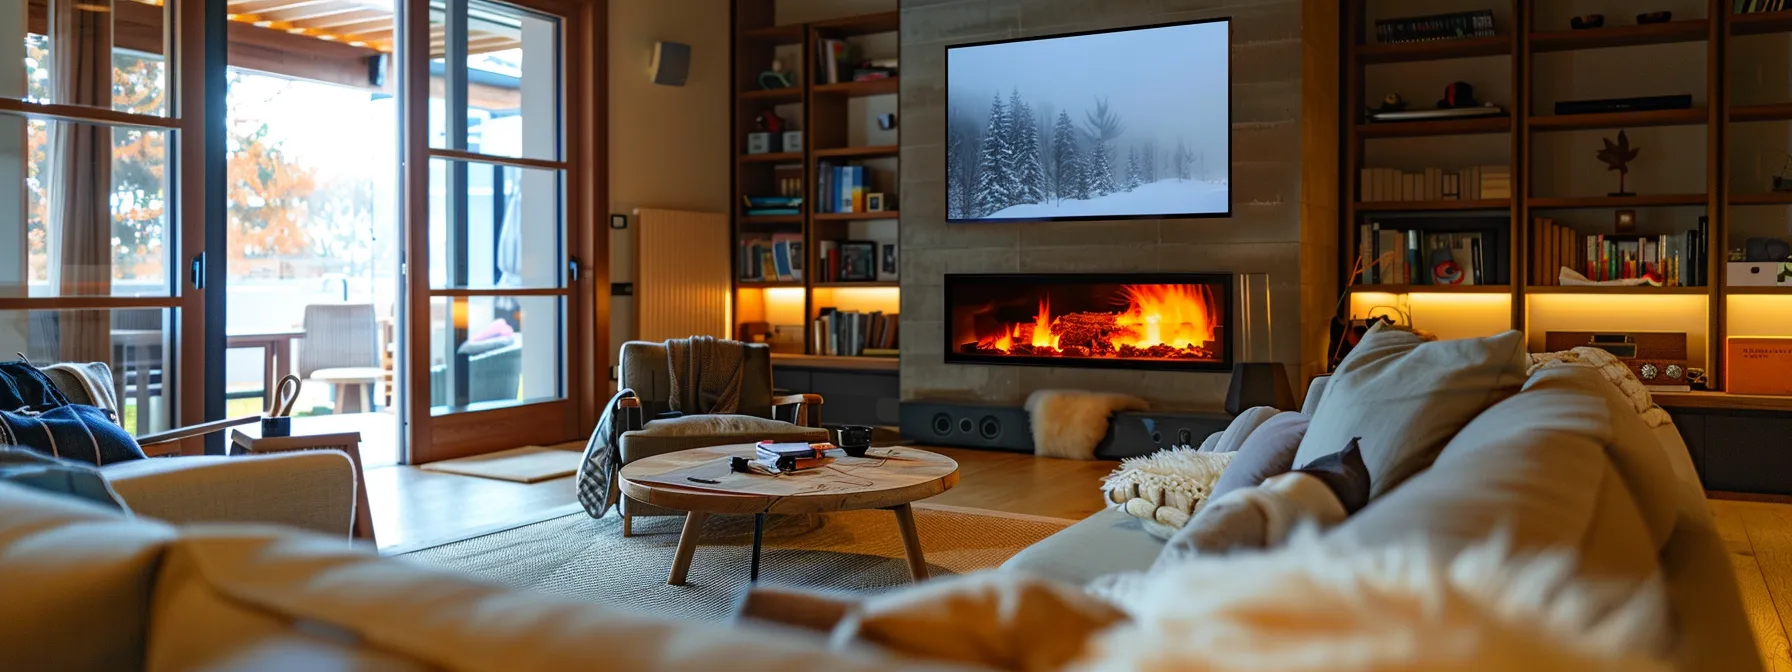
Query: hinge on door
[(199, 271)]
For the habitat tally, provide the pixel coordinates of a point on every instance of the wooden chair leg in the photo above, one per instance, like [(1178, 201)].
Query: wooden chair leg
[(628, 528), (341, 394)]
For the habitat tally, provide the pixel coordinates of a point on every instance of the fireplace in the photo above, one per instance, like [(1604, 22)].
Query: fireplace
[(1178, 321)]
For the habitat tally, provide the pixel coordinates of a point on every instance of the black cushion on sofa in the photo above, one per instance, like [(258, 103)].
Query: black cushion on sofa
[(1344, 473)]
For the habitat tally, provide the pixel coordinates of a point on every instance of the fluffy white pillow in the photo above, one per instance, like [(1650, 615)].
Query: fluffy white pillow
[(1406, 398)]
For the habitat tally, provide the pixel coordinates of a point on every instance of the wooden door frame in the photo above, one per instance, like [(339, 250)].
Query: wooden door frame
[(195, 37), (431, 438)]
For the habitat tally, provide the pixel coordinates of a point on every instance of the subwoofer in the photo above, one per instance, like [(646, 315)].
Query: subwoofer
[(1136, 433), (966, 425)]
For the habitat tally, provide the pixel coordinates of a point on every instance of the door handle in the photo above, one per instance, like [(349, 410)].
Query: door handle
[(572, 269), (199, 271)]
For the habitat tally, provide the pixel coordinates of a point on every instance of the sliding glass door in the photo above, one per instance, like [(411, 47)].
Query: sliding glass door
[(102, 224), (491, 264)]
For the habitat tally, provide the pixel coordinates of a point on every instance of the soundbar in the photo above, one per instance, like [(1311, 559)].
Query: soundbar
[(1640, 104)]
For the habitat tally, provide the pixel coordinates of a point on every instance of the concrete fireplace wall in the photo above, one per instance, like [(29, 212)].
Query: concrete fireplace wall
[(1265, 235)]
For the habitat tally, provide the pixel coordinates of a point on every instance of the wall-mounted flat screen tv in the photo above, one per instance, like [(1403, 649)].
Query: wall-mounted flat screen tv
[(1130, 123)]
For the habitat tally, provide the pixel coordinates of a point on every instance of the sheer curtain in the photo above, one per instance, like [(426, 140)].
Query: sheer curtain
[(81, 173)]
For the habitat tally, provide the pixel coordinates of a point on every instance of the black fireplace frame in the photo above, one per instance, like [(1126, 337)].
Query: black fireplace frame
[(1229, 324)]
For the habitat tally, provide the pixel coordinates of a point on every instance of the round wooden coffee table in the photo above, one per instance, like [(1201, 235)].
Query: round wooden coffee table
[(699, 482)]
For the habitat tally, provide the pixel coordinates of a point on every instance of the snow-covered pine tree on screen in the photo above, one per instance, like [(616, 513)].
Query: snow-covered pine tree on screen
[(1116, 124)]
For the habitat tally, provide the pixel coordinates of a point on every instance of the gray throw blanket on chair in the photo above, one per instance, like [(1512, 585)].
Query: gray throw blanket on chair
[(598, 488), (706, 374)]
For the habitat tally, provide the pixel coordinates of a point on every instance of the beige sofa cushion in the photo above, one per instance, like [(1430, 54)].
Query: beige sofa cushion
[(1000, 620), (1405, 398), (242, 584), (1583, 473), (75, 582)]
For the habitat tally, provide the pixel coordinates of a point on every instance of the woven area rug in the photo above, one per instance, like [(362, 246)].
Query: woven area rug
[(855, 551)]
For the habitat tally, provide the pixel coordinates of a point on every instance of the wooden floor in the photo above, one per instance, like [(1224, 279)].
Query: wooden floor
[(1759, 538), (415, 509)]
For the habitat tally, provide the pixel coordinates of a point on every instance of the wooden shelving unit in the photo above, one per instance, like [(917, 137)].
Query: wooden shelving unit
[(1687, 30), (819, 111), (1523, 37), (1434, 206)]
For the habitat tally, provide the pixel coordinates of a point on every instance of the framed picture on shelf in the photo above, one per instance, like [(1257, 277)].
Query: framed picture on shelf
[(858, 261), (888, 270)]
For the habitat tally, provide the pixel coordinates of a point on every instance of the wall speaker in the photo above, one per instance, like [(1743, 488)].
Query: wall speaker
[(671, 63), (376, 70), (1259, 384), (965, 425)]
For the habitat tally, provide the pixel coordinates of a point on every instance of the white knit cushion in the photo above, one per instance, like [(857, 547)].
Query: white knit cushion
[(1165, 488)]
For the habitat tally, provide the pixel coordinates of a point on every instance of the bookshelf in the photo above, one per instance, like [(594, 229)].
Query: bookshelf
[(1522, 68), (836, 121)]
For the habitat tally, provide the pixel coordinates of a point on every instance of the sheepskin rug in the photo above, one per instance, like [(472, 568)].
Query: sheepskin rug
[(1164, 489), (1071, 423), (1313, 605)]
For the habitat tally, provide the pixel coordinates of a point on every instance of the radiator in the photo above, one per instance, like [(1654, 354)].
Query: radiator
[(682, 274)]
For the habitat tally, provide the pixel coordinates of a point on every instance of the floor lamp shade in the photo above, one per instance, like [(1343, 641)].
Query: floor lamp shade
[(1258, 384)]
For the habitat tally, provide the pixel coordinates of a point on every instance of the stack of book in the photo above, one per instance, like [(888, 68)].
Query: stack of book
[(1452, 26), (855, 334), (1756, 6), (775, 258), (786, 457), (758, 206), (842, 188), (876, 68), (1669, 260), (1391, 256), (1435, 184)]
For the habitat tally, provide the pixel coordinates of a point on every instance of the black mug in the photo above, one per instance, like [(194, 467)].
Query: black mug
[(854, 439)]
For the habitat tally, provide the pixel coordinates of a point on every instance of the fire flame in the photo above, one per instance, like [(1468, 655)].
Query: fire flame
[(1167, 320), (1175, 315)]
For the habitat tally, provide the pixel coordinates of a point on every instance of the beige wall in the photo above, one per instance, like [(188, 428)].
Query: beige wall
[(668, 144)]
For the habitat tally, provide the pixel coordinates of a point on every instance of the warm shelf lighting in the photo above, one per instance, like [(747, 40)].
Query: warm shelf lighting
[(862, 299), (1622, 312), (1767, 315), (1447, 315)]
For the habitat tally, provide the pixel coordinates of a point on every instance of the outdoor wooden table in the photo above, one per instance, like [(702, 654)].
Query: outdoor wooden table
[(276, 356)]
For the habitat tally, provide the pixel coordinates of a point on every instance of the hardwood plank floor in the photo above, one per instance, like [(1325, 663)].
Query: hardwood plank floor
[(413, 508), (1758, 536)]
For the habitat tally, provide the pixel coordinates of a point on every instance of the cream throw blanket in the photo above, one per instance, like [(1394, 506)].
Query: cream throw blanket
[(706, 374)]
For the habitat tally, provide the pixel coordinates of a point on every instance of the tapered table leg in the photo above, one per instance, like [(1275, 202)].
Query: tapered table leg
[(687, 547), (911, 541)]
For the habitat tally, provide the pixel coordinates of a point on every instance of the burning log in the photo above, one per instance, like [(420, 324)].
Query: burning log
[(1085, 329)]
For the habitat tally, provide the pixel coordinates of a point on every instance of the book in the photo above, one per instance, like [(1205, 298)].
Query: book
[(781, 259)]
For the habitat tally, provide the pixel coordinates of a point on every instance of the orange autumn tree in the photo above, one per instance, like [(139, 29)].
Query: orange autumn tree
[(267, 193)]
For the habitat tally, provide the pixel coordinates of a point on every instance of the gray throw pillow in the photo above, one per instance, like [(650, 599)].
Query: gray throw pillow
[(1406, 397), (31, 469), (1267, 451)]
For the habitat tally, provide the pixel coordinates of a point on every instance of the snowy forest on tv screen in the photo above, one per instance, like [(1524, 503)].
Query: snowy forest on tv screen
[(1114, 124)]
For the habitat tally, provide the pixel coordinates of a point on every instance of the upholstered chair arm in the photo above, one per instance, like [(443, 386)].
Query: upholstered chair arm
[(310, 489), (799, 409), (629, 416)]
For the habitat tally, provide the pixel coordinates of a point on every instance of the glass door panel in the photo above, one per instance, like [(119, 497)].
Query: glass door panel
[(488, 279), (97, 218)]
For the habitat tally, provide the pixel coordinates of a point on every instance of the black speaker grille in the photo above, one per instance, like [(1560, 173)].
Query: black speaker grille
[(964, 425), (942, 424), (989, 428)]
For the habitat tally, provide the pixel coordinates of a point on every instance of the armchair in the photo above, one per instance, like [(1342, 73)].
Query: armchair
[(762, 415), (313, 490)]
